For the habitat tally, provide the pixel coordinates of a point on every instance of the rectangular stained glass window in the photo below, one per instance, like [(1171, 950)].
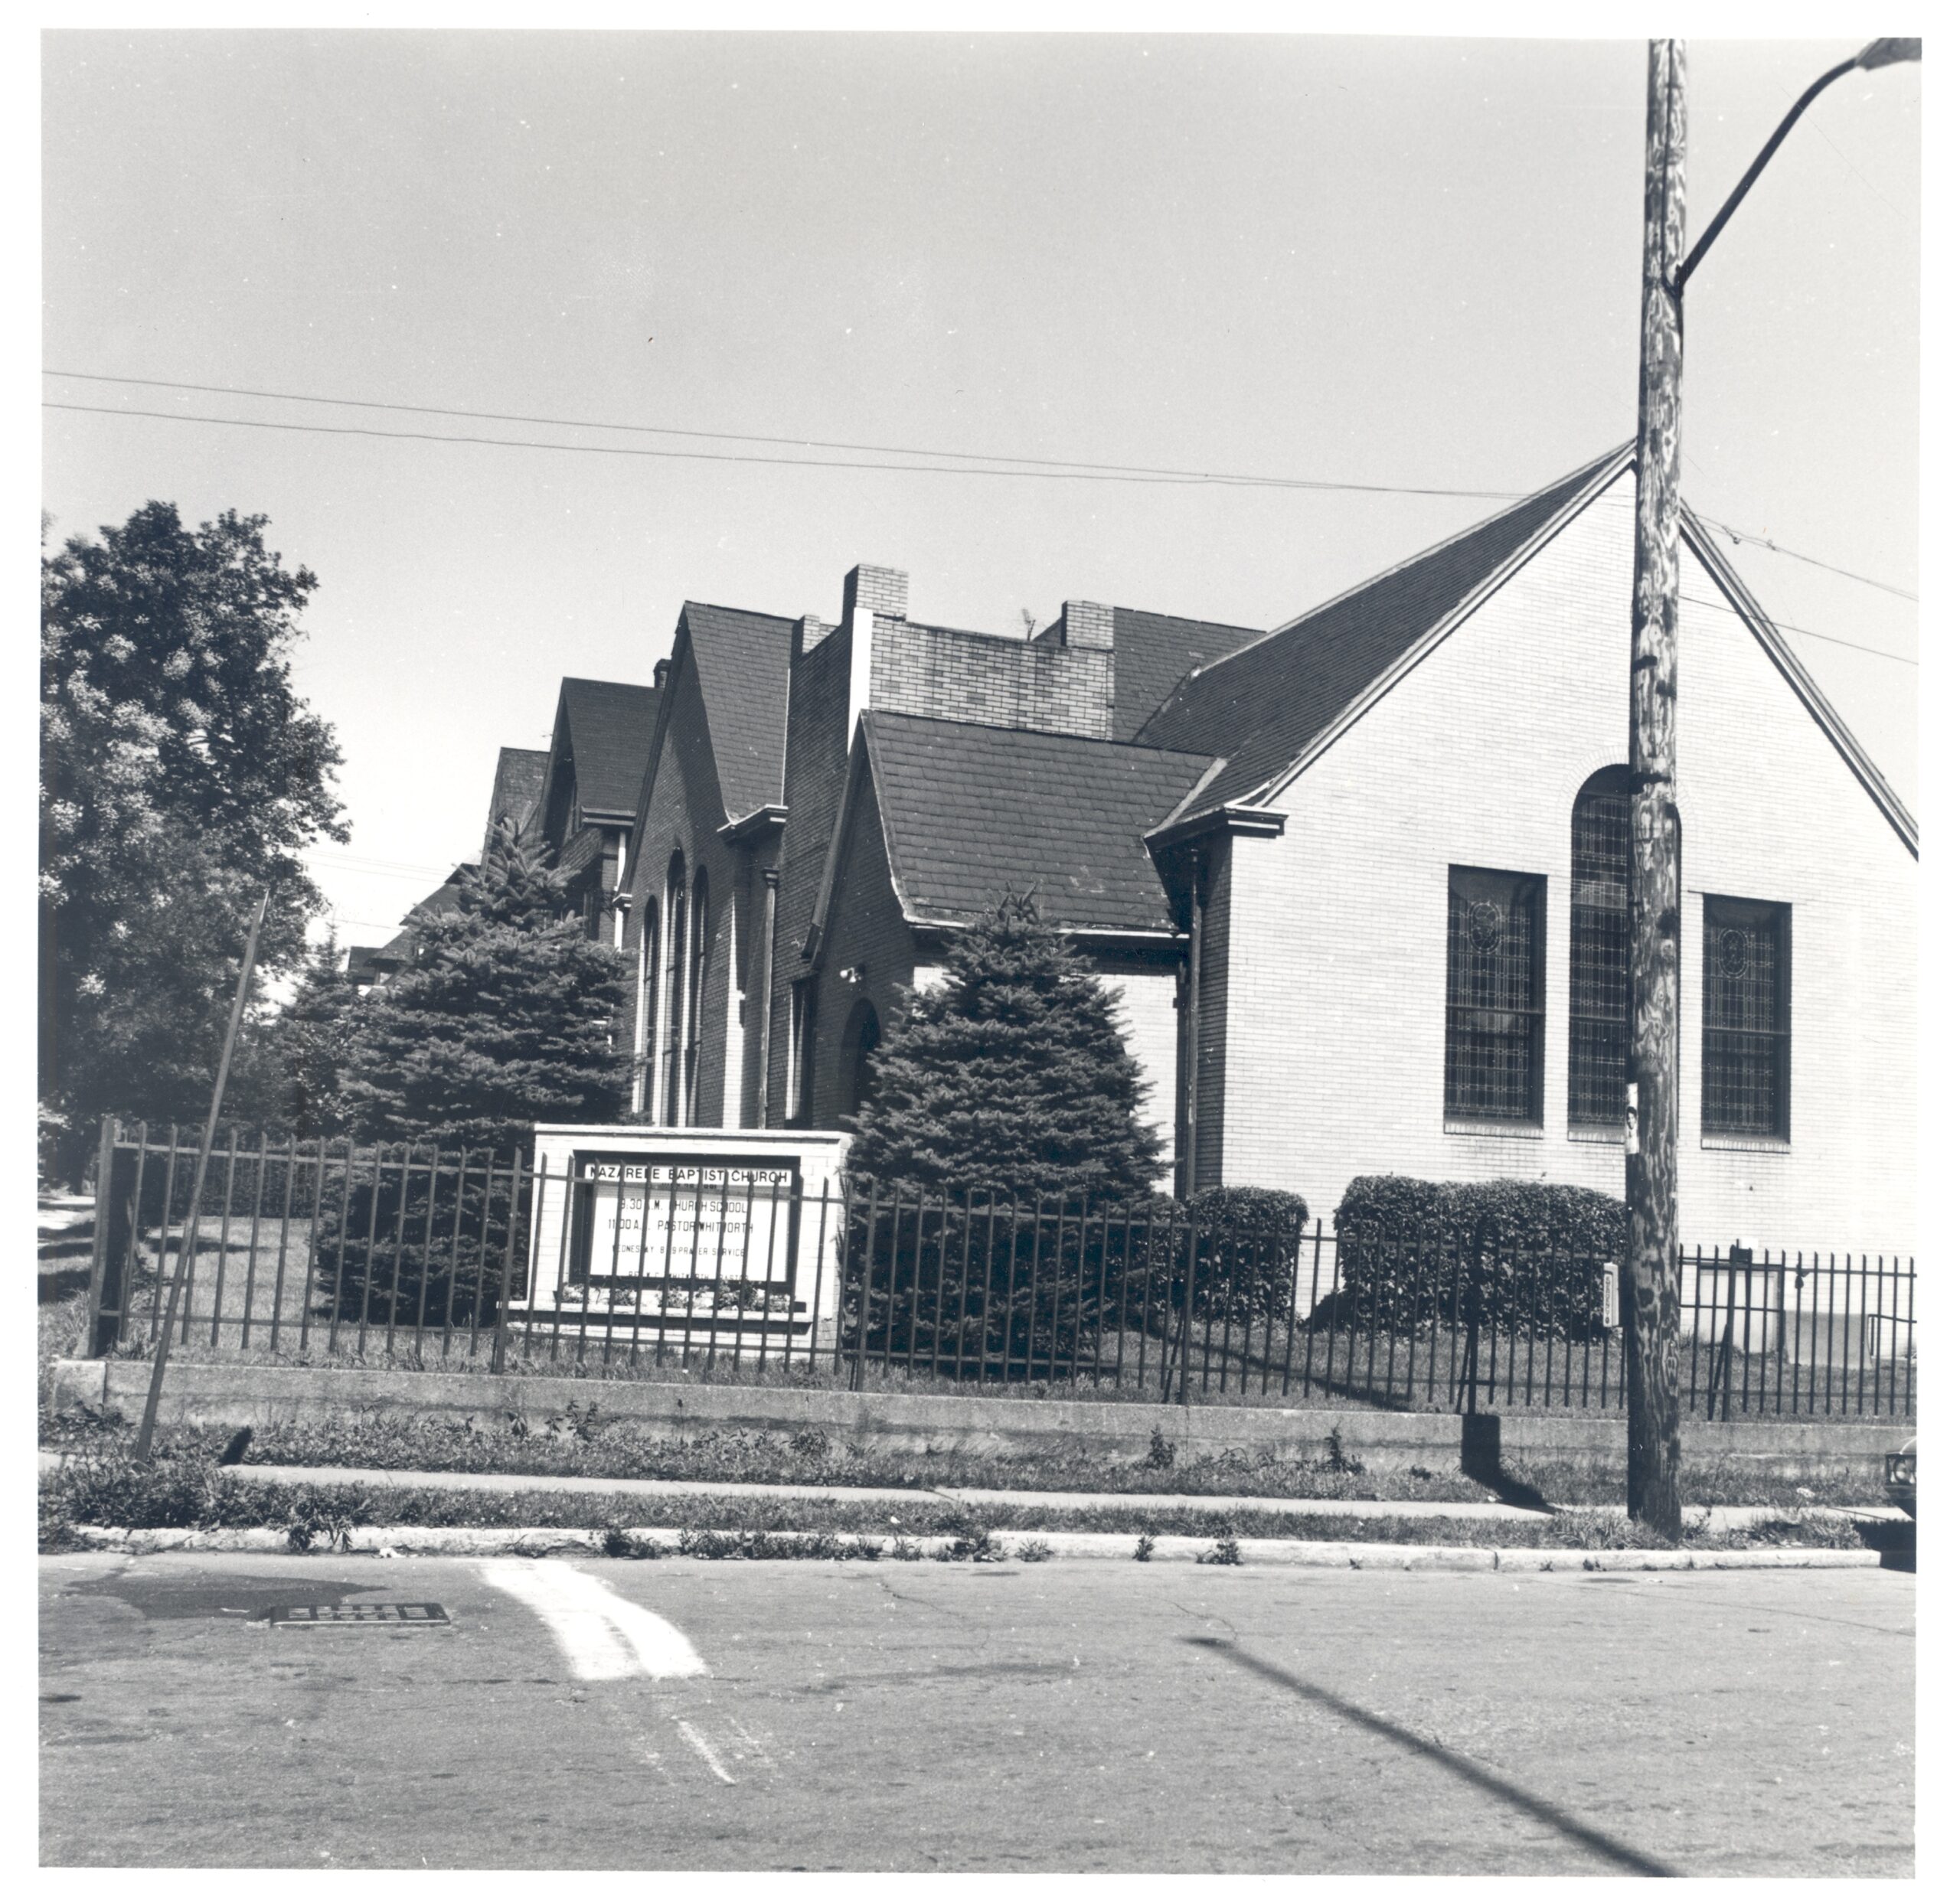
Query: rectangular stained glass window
[(1494, 1050), (1598, 1028), (1745, 1018)]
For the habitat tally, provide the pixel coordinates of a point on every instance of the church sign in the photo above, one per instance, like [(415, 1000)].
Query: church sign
[(637, 1231), (686, 1221)]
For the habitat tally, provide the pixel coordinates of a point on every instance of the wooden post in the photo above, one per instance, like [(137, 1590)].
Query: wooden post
[(107, 1252), (1653, 1417), (187, 1239)]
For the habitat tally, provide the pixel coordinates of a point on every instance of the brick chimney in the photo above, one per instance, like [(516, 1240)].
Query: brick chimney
[(874, 588), (1083, 626)]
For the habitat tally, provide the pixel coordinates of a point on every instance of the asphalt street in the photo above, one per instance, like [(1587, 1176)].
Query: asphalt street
[(1076, 1717)]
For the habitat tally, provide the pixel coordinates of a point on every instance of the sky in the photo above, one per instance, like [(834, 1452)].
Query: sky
[(1404, 262)]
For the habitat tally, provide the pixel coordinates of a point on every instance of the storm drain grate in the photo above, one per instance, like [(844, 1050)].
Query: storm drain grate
[(394, 1616)]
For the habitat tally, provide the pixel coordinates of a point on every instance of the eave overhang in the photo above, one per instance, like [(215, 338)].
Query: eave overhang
[(1234, 819), (767, 820)]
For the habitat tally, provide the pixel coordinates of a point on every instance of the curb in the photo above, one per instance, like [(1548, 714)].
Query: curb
[(1712, 1517), (539, 1541)]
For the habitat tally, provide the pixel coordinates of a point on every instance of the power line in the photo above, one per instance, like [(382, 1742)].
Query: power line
[(1770, 545), (1823, 565), (1065, 469), (1001, 465), (356, 864), (681, 453), (1723, 605)]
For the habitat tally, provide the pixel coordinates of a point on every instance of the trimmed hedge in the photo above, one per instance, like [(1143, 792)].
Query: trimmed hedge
[(1248, 1252), (941, 1288), (1524, 1257)]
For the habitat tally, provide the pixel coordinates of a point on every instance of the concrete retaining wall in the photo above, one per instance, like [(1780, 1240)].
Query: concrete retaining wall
[(227, 1395)]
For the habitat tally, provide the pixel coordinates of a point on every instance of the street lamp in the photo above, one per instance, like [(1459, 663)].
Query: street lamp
[(1653, 1461), (1879, 53)]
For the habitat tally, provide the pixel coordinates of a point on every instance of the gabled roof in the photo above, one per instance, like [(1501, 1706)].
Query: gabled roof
[(970, 812), (1701, 542), (445, 899), (743, 661), (520, 781), (609, 728), (1154, 654), (1263, 707)]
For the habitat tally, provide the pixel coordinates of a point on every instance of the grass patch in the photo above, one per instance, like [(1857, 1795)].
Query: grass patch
[(185, 1485), (581, 1442)]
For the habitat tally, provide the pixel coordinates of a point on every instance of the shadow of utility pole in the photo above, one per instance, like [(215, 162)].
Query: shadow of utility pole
[(1626, 1859), (1482, 1460)]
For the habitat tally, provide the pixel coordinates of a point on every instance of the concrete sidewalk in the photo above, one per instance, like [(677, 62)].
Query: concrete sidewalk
[(1718, 1518)]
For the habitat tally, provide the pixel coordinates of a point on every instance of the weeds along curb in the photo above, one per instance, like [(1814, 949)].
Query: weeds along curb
[(544, 1540)]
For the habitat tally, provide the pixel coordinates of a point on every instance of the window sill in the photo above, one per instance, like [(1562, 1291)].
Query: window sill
[(1491, 1127), (1596, 1133), (1739, 1140)]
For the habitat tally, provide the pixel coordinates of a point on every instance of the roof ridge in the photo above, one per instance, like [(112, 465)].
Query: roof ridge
[(1891, 804), (1181, 617), (607, 683), (1586, 470), (739, 611), (1054, 735)]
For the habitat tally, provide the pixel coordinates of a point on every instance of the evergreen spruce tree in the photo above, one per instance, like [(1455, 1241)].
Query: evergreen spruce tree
[(1012, 1074), (310, 1041), (503, 1018), (1009, 1081)]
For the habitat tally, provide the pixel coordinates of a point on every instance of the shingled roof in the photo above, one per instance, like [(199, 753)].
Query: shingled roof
[(445, 900), (610, 729), (743, 661), (971, 811), (520, 781), (1263, 707), (1154, 654)]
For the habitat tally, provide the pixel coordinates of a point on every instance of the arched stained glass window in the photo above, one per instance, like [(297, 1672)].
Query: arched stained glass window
[(648, 1002), (1598, 1027), (675, 981), (697, 940)]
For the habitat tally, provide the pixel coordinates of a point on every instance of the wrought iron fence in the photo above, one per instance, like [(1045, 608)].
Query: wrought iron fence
[(327, 1250)]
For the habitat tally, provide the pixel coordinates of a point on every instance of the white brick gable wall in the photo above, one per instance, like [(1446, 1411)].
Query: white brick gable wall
[(1334, 1046)]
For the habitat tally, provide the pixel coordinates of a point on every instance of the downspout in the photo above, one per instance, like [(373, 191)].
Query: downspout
[(770, 877), (1193, 989)]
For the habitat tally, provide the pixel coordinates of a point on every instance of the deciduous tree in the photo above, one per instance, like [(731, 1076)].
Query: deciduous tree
[(180, 774)]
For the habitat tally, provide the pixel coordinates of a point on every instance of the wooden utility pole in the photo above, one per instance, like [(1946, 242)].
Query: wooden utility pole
[(1653, 1406), (187, 1239)]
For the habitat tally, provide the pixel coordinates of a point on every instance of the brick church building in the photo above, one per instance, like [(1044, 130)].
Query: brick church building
[(1358, 882)]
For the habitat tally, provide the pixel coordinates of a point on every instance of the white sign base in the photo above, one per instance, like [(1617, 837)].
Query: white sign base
[(648, 1232)]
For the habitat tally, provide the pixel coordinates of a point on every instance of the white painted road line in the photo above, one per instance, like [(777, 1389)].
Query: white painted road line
[(699, 1743), (604, 1637)]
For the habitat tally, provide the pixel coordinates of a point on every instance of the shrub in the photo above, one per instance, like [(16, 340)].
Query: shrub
[(418, 1237), (105, 1485), (1525, 1257), (965, 1280), (1240, 1269), (1010, 1074)]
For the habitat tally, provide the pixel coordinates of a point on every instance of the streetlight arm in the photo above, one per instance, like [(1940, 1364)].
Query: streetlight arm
[(1755, 171), (1884, 52)]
